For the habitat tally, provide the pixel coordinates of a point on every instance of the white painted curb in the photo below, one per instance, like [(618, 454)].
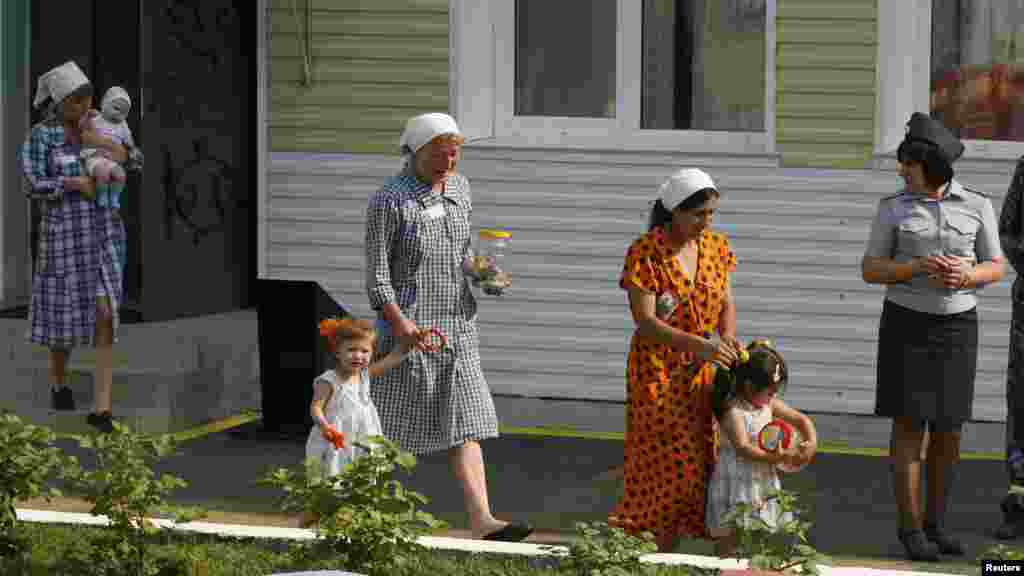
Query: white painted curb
[(436, 542)]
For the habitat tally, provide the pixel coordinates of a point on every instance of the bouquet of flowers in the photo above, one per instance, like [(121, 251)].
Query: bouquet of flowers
[(485, 274), (483, 266)]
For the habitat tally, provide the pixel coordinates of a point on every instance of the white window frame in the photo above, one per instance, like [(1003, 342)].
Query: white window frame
[(904, 79), (482, 91)]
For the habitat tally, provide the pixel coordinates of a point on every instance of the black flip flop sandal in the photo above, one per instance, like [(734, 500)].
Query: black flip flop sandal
[(510, 533)]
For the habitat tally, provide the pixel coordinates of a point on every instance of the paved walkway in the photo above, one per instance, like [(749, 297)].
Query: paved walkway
[(554, 482)]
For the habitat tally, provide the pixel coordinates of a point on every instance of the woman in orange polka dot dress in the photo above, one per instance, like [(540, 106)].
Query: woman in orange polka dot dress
[(678, 279)]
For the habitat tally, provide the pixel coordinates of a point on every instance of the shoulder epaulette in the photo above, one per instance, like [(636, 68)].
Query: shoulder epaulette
[(894, 196), (975, 191)]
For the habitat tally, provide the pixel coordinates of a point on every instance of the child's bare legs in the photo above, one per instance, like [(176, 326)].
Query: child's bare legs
[(308, 519), (117, 182), (725, 542), (666, 543), (100, 168)]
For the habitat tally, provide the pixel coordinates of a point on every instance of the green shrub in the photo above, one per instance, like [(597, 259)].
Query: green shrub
[(780, 548), (602, 550), (27, 457), (366, 519), (124, 488)]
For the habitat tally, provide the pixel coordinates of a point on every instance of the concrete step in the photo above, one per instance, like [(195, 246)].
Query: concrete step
[(74, 421), (157, 400)]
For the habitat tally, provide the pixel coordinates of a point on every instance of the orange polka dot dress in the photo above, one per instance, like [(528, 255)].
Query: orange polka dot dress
[(671, 436)]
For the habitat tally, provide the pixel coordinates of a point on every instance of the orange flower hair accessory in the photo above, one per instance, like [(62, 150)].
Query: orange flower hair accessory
[(329, 330), (329, 326)]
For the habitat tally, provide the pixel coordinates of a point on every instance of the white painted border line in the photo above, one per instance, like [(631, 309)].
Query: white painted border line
[(435, 542)]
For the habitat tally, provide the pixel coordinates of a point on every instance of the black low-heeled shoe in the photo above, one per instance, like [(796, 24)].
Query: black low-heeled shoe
[(946, 543), (918, 547)]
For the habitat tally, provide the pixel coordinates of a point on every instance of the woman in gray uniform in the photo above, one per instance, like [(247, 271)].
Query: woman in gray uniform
[(933, 245), (417, 237)]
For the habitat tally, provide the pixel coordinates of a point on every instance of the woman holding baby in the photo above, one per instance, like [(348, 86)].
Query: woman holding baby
[(76, 283)]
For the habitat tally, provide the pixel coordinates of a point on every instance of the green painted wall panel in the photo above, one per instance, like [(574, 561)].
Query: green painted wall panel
[(409, 96), (811, 105), (821, 155), (368, 48), (850, 32), (829, 9), (397, 24), (823, 80), (319, 140), (824, 131), (374, 63), (826, 60), (439, 6), (831, 56), (340, 117), (362, 71)]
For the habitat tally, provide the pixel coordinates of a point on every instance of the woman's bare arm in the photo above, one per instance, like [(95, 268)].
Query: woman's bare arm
[(876, 270), (642, 305)]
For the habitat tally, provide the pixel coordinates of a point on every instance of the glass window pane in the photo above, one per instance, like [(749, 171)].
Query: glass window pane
[(565, 58), (977, 75), (703, 65)]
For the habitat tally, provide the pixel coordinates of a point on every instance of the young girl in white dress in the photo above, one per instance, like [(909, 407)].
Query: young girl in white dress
[(342, 410), (745, 473)]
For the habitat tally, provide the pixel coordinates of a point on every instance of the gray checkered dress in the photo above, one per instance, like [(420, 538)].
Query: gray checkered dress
[(414, 253), (77, 260)]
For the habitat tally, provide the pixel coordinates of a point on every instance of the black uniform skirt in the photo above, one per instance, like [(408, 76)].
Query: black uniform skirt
[(926, 365)]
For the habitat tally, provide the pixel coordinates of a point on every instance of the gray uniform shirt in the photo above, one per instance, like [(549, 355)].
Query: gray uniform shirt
[(907, 225)]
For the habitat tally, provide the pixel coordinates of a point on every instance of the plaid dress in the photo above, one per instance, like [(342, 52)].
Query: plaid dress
[(77, 260), (415, 244)]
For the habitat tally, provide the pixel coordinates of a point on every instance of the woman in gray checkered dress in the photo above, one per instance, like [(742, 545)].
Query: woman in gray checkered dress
[(76, 283), (417, 238)]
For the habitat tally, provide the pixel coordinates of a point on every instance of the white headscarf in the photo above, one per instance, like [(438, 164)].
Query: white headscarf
[(682, 185), (58, 83), (420, 130)]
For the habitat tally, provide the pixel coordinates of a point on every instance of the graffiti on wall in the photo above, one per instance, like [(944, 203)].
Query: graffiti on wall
[(197, 27), (198, 185), (197, 192)]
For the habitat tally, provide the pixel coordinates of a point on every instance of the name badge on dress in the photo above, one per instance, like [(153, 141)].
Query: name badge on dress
[(435, 211)]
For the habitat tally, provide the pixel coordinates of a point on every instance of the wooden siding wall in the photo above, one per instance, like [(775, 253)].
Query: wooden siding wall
[(825, 82), (799, 231), (375, 63), (564, 330)]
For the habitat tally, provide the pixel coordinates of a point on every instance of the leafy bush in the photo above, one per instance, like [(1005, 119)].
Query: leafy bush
[(602, 550), (124, 488), (366, 519), (1002, 552), (780, 548), (26, 459)]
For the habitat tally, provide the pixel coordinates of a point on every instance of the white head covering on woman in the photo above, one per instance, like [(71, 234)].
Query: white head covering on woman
[(420, 130), (58, 83), (682, 185), (678, 187)]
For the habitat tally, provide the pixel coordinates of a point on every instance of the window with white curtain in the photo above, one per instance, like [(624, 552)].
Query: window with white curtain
[(977, 68)]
